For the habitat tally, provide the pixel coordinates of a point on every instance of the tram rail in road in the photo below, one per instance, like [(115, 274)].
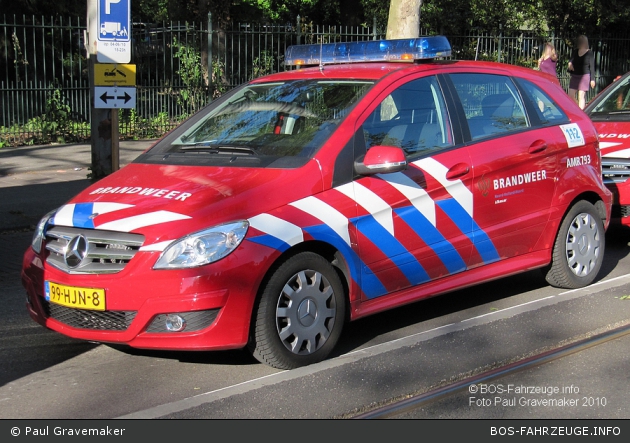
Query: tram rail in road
[(400, 407)]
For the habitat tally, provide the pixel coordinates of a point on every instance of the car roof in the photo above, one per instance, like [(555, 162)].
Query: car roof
[(378, 70)]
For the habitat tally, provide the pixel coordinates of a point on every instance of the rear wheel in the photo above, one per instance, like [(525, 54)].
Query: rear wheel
[(578, 251), (300, 315)]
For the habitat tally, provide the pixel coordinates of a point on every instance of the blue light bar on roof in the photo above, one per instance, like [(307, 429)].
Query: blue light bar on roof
[(421, 48)]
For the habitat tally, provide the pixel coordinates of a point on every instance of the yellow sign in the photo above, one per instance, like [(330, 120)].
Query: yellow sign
[(110, 74)]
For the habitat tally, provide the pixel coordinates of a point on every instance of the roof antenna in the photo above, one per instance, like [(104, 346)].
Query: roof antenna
[(321, 54)]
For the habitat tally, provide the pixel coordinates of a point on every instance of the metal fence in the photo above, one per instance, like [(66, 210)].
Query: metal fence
[(44, 84)]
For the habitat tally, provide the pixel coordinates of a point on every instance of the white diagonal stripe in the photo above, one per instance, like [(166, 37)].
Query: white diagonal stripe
[(64, 215), (326, 214), (414, 193), (143, 220), (624, 153), (371, 202), (456, 188), (105, 207), (277, 227), (604, 145)]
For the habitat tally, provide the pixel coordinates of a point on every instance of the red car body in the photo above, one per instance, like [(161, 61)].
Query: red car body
[(477, 209)]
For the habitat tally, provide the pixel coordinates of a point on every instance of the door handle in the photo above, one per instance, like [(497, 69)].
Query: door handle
[(457, 171), (537, 146)]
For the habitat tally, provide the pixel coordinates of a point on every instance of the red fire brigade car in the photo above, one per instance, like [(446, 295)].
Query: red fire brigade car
[(304, 199), (610, 112)]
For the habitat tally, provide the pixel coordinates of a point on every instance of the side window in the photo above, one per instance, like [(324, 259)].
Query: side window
[(413, 117), (491, 103), (548, 111)]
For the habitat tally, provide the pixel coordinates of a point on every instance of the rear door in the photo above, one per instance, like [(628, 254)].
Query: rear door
[(515, 158)]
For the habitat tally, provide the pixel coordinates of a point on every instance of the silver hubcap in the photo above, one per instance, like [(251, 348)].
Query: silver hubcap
[(305, 314), (583, 244)]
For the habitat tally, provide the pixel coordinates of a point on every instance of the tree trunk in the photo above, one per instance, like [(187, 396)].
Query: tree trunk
[(404, 19)]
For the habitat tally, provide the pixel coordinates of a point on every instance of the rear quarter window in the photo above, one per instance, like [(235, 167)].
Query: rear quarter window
[(547, 110), (492, 104)]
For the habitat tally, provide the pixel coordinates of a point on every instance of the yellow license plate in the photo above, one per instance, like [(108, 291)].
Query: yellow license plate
[(75, 297)]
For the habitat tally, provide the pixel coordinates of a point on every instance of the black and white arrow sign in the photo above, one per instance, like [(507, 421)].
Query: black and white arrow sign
[(114, 97), (106, 97)]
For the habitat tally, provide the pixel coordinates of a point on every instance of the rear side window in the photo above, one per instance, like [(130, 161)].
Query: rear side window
[(548, 111), (491, 103)]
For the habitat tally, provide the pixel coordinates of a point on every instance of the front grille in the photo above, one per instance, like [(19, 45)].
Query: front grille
[(107, 252), (88, 319), (195, 321), (620, 211), (615, 170)]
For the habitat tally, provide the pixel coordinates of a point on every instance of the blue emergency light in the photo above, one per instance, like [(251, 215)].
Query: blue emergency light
[(408, 49)]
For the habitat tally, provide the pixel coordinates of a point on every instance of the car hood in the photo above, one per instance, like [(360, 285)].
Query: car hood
[(165, 202), (614, 139)]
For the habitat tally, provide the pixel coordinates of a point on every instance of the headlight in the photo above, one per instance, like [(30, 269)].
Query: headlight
[(203, 247), (40, 231)]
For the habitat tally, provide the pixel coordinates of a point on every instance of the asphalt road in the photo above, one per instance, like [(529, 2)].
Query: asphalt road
[(379, 359)]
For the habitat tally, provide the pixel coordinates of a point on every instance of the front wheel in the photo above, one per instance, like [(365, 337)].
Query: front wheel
[(578, 251), (300, 314)]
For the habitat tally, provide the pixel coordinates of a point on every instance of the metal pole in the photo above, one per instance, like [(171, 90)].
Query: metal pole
[(374, 28), (500, 41), (299, 31), (210, 54), (115, 140), (100, 122)]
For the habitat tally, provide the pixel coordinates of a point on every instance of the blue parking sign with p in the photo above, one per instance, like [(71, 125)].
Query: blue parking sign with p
[(114, 20)]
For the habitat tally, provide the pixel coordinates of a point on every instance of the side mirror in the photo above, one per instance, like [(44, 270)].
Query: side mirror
[(381, 160)]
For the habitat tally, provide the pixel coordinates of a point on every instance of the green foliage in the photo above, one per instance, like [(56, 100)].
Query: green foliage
[(191, 73), (218, 78), (263, 64), (135, 127), (57, 118), (150, 10)]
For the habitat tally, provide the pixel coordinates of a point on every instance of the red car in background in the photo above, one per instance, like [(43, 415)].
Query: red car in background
[(610, 112)]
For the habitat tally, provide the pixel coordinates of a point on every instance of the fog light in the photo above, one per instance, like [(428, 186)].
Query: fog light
[(174, 323)]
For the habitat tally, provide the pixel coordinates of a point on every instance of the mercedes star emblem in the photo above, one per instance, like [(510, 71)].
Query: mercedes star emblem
[(76, 251)]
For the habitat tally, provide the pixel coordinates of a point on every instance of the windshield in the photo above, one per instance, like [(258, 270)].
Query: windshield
[(279, 124), (616, 101)]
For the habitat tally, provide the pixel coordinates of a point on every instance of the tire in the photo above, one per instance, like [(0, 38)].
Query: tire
[(578, 252), (300, 315)]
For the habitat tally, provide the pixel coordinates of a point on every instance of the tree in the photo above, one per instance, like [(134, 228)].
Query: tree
[(404, 19)]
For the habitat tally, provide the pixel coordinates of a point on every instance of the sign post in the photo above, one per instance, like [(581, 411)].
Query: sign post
[(112, 80)]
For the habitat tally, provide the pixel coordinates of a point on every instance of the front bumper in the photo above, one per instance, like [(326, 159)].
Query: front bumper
[(215, 300), (616, 176), (621, 202)]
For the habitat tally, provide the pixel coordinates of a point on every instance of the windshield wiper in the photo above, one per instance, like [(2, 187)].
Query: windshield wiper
[(218, 149)]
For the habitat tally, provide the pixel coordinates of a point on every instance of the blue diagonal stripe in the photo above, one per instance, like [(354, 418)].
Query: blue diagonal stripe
[(270, 241), (392, 248), (81, 215), (368, 282), (433, 238), (467, 225)]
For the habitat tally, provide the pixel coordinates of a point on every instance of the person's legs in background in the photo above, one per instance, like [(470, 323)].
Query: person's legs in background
[(581, 101), (573, 94)]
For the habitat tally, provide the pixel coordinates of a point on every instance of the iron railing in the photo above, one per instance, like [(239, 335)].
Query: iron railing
[(44, 84)]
